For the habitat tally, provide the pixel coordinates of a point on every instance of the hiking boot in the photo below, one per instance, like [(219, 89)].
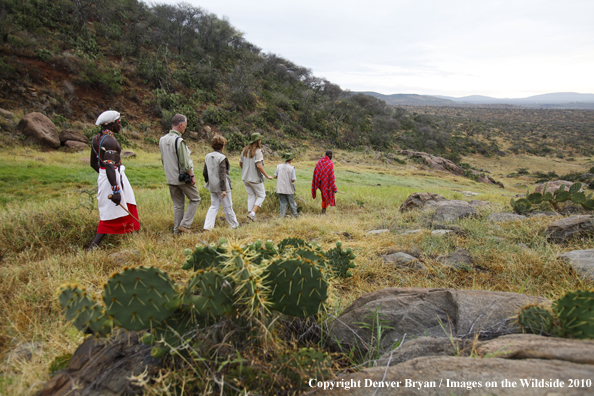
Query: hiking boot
[(251, 217), (183, 230)]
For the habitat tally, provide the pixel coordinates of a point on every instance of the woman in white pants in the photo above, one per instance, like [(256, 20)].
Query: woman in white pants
[(216, 176), (252, 170)]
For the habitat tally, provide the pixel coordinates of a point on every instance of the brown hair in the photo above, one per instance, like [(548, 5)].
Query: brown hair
[(218, 142), (251, 149)]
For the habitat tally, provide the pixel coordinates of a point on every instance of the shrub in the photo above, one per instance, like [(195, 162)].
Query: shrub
[(236, 141), (215, 115)]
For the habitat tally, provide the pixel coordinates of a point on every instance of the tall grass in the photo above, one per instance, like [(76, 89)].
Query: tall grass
[(43, 241)]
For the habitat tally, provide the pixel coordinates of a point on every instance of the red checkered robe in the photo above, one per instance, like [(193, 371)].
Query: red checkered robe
[(323, 179)]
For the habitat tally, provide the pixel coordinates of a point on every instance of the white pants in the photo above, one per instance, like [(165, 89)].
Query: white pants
[(215, 203), (256, 194)]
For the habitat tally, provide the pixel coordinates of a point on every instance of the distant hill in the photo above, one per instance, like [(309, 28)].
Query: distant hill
[(559, 100), (411, 99), (551, 100)]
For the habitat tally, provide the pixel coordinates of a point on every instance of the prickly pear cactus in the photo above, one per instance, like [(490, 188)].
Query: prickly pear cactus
[(341, 261), (521, 205), (296, 288), (209, 293), (308, 255), (83, 310), (178, 329), (204, 257), (250, 290), (293, 242), (535, 198), (263, 251), (576, 313), (536, 319), (140, 298)]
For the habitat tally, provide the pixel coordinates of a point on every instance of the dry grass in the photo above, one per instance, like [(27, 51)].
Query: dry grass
[(42, 245)]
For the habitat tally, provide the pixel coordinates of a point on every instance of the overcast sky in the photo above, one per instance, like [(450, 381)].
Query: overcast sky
[(508, 48)]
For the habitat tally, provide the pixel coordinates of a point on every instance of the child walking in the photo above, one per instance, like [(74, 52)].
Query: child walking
[(285, 187)]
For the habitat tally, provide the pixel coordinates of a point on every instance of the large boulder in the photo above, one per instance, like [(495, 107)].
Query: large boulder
[(451, 375), (514, 346), (72, 135), (582, 262), (74, 145), (553, 186), (419, 200), (104, 367), (40, 128), (429, 312), (562, 230), (451, 210)]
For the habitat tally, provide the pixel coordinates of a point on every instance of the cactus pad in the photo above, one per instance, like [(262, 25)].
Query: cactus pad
[(575, 187), (209, 293), (576, 312), (294, 242), (248, 280), (296, 288), (588, 204), (172, 332), (535, 198), (562, 196), (340, 261), (536, 319), (205, 257), (578, 198), (83, 310), (140, 298)]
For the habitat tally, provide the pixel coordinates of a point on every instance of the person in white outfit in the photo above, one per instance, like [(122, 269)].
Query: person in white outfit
[(218, 182), (252, 173), (285, 185)]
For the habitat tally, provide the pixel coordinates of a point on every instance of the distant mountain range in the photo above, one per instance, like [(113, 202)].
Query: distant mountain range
[(559, 100)]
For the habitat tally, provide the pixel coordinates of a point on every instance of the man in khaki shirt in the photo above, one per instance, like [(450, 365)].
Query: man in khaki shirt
[(176, 160)]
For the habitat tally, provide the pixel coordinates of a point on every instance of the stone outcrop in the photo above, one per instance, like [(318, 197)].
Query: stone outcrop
[(72, 135), (553, 186), (104, 367), (41, 129), (562, 230), (451, 210), (434, 312), (73, 145), (458, 259), (419, 200), (582, 262), (445, 165)]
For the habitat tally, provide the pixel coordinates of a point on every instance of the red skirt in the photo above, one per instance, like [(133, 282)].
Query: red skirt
[(121, 225)]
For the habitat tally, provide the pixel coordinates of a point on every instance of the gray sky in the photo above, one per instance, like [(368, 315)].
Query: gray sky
[(507, 48)]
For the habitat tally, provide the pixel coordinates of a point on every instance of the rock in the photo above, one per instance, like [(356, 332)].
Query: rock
[(24, 352), (459, 259), (419, 200), (418, 312), (40, 128), (563, 229), (553, 186), (424, 346), (374, 232), (450, 210), (69, 134), (193, 135), (541, 214), (533, 346), (451, 375), (501, 217), (442, 232), (125, 257), (135, 135), (6, 114), (475, 203), (128, 154), (103, 367), (582, 262), (468, 193), (411, 232), (404, 260), (573, 210), (74, 145)]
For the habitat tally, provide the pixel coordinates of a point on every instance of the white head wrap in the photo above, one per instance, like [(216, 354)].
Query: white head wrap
[(107, 117)]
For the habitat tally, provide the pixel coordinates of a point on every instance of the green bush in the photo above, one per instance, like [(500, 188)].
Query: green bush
[(236, 141), (215, 115)]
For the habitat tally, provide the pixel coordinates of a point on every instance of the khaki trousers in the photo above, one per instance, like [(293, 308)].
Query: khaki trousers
[(178, 196)]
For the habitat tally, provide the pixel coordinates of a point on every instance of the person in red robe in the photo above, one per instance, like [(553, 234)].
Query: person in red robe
[(323, 179)]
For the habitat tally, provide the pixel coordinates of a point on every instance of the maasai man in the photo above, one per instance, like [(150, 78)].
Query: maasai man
[(323, 179), (114, 191)]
